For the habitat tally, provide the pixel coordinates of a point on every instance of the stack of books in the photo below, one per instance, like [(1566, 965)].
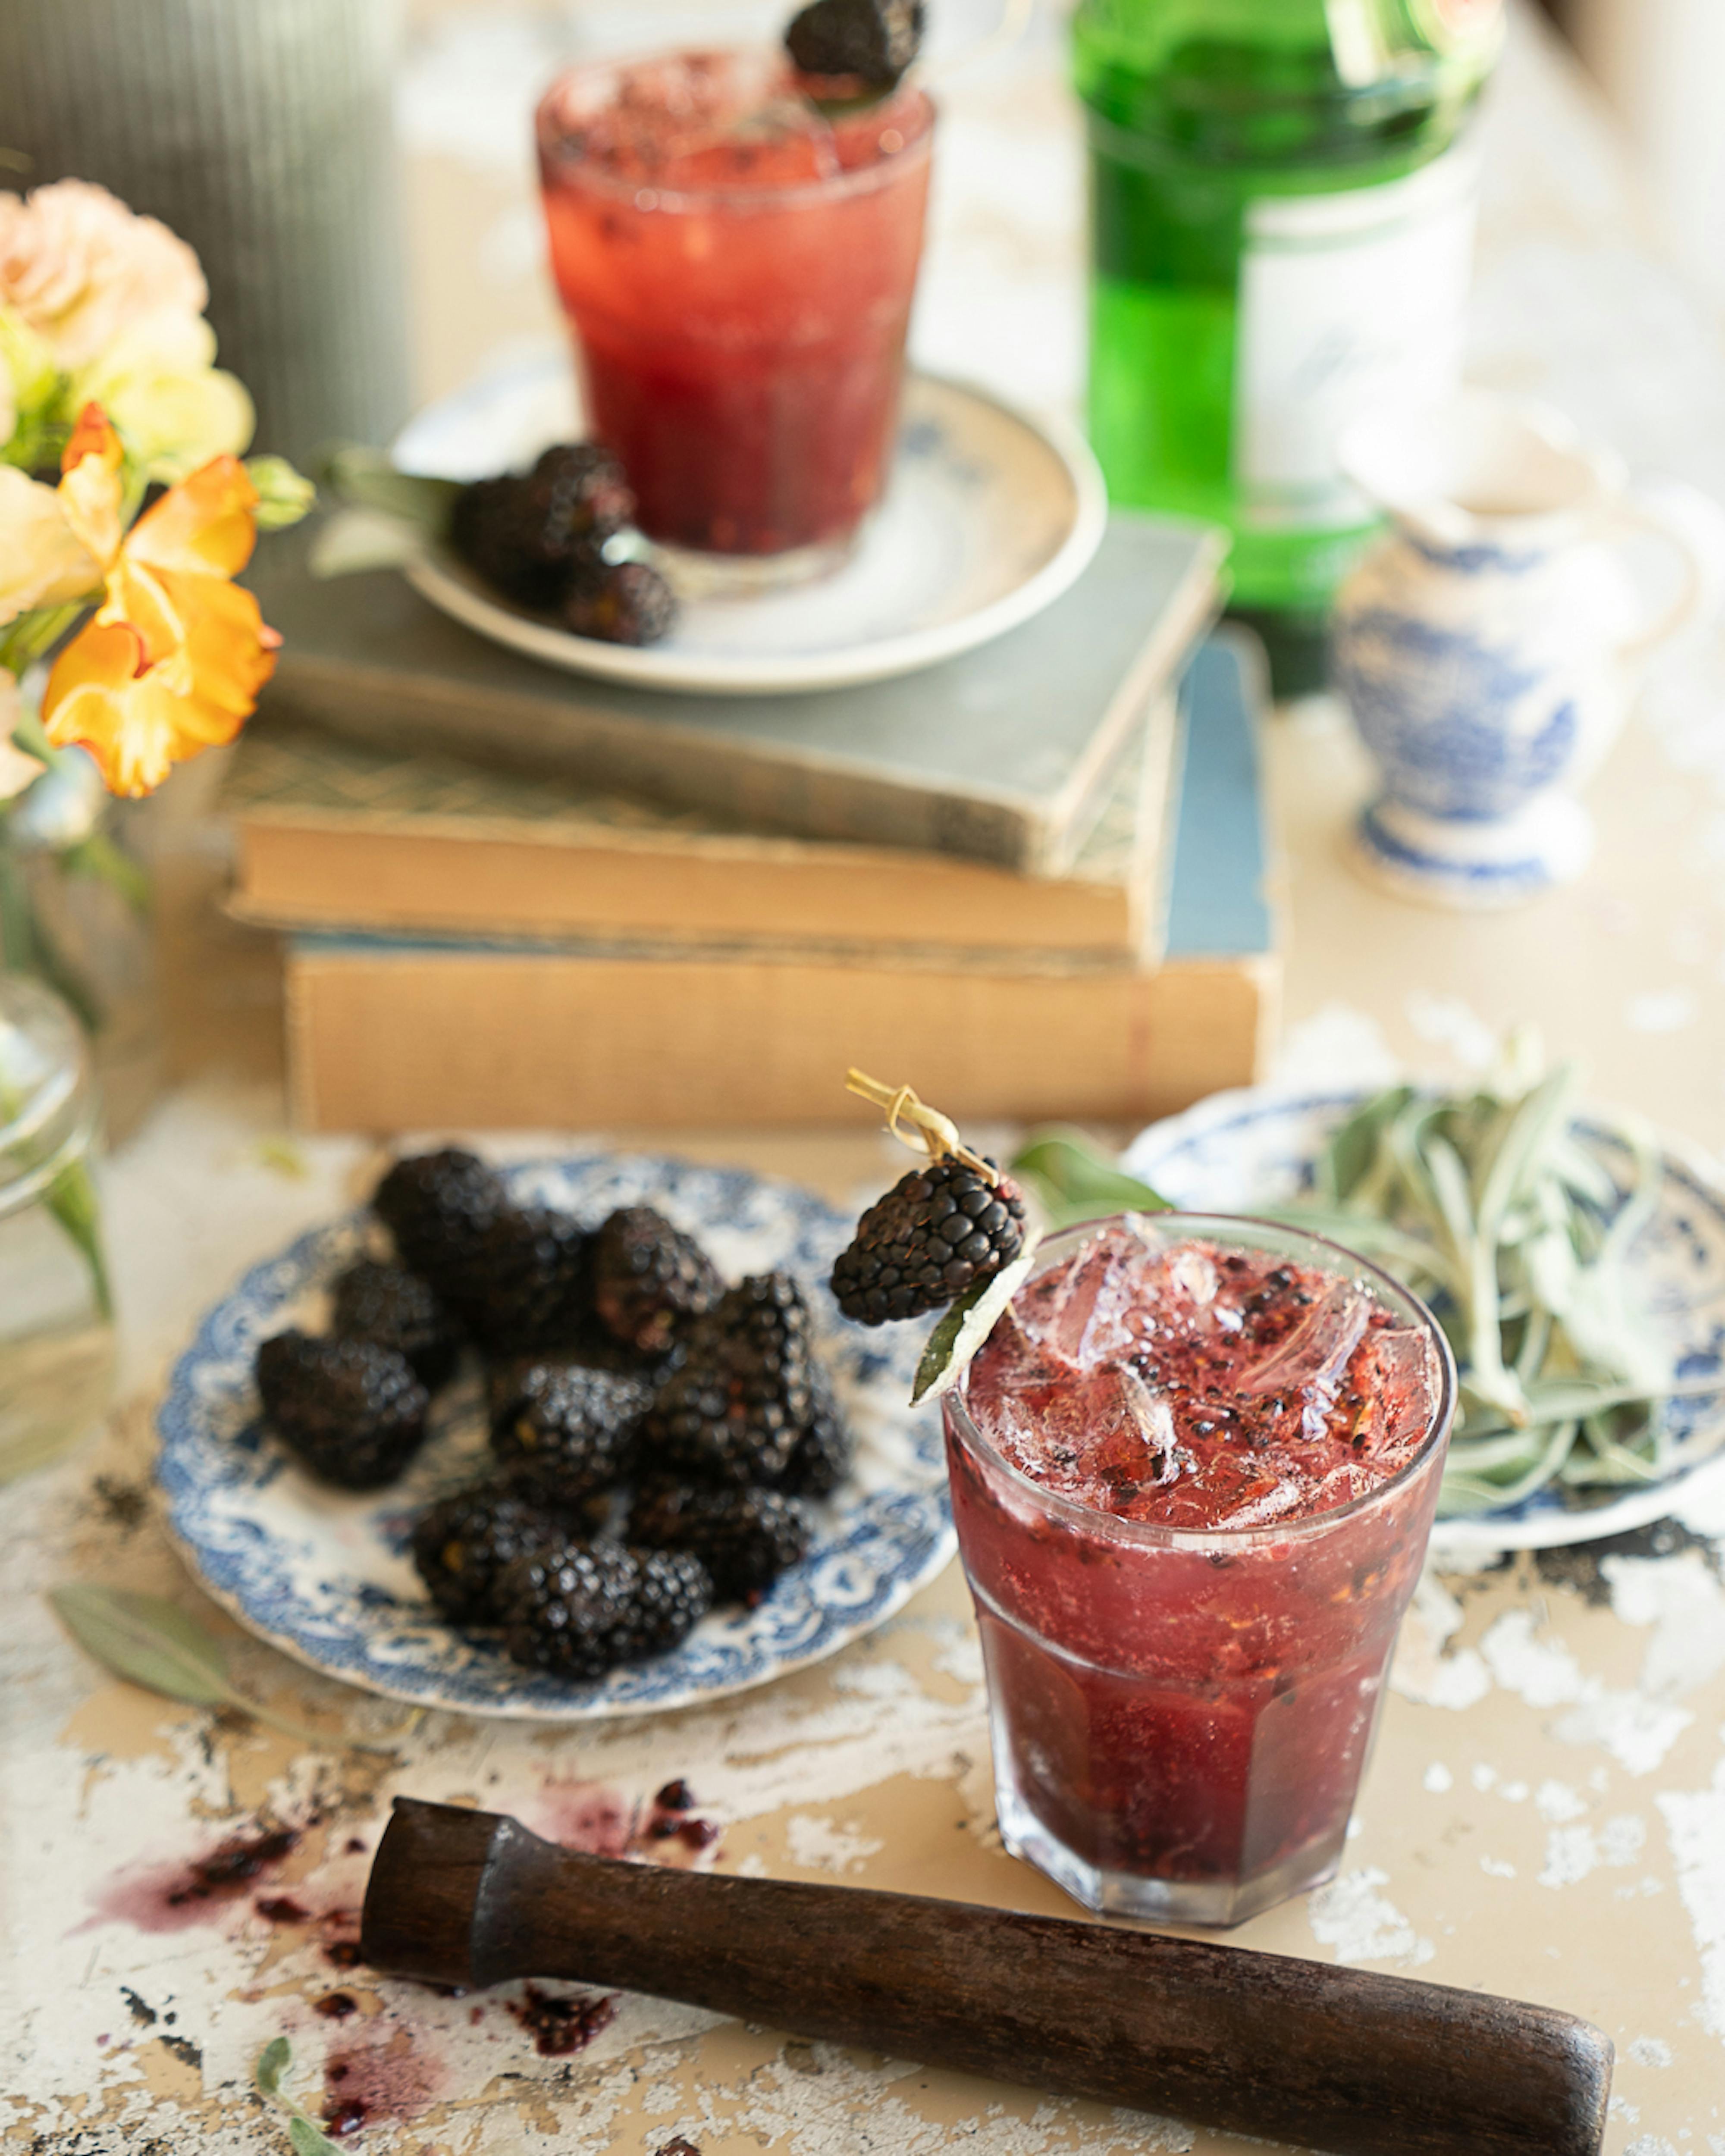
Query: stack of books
[(1030, 879)]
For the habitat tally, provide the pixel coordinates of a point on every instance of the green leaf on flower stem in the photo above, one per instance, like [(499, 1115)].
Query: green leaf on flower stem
[(366, 479), (272, 2065), (967, 1323), (354, 540), (285, 495)]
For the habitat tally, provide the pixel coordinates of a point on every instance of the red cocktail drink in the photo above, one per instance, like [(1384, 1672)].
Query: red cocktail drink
[(739, 268), (1193, 1471)]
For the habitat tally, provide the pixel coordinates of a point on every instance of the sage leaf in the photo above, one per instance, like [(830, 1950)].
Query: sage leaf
[(309, 2140), (156, 1644), (967, 1323), (367, 479), (148, 1641), (1073, 1181), (272, 2064)]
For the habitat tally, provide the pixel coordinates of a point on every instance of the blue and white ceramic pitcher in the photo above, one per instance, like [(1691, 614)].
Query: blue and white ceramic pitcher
[(1489, 644)]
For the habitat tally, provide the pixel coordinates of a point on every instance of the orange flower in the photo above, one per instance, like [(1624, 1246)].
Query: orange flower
[(173, 659)]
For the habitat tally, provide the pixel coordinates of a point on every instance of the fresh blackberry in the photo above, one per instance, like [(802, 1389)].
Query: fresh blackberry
[(875, 40), (525, 1283), (353, 1412), (744, 1537), (394, 1308), (649, 1278), (581, 1609), (822, 1455), (570, 1431), (733, 1410), (620, 603), (462, 1544), (936, 1232), (530, 535), (436, 1206)]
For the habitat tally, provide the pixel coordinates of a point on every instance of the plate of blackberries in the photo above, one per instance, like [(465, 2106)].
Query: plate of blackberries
[(568, 1439)]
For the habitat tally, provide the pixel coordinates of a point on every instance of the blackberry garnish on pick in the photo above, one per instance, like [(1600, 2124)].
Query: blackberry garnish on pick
[(649, 1278), (873, 41), (937, 1232), (394, 1308), (353, 1412)]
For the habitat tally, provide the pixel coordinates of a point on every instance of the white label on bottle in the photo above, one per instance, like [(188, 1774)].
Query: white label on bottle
[(1348, 303)]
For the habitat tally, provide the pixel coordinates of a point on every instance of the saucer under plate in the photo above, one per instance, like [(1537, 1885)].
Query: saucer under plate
[(989, 517)]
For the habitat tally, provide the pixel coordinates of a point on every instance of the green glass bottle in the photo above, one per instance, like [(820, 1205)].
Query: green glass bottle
[(1282, 218)]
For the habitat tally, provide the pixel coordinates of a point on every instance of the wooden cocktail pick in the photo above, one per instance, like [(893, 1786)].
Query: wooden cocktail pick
[(1331, 2059)]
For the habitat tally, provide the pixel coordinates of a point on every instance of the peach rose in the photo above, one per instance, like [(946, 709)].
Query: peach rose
[(80, 268)]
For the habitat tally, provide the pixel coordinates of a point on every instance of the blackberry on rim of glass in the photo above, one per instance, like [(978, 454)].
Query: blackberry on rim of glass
[(939, 1231)]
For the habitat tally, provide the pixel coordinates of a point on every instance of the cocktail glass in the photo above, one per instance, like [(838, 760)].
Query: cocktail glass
[(1181, 1717), (737, 266)]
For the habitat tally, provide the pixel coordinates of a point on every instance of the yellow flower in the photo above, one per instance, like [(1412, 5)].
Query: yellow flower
[(173, 406), (43, 562), (174, 657)]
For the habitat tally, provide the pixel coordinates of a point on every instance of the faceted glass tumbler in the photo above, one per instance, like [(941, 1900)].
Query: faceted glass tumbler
[(1179, 1718)]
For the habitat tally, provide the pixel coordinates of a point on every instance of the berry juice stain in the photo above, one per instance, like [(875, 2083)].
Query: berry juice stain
[(174, 1896), (368, 2082), (559, 2026), (588, 1816)]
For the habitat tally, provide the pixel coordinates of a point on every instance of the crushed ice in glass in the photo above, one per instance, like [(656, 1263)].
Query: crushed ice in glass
[(1202, 1387)]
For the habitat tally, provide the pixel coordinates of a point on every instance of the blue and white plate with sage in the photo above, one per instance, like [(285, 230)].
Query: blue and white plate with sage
[(1254, 1149), (324, 1574)]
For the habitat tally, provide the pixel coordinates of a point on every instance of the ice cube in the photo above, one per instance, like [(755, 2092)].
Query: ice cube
[(1091, 1310), (1398, 1373)]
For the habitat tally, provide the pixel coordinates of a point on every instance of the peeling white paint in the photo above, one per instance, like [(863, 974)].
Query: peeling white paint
[(1651, 2051), (1497, 1867), (822, 1845), (1351, 1916), (1572, 1852), (1638, 1727), (1557, 1801), (1695, 1827), (1422, 1671), (1437, 1779)]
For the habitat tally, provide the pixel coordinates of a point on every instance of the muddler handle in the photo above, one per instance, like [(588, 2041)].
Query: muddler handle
[(1334, 2059)]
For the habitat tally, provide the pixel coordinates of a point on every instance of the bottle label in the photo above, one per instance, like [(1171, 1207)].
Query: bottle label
[(1348, 303)]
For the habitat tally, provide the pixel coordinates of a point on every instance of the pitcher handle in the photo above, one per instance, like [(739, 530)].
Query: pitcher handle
[(1692, 524)]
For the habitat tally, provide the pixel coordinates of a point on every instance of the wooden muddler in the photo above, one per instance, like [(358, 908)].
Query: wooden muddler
[(1329, 2058)]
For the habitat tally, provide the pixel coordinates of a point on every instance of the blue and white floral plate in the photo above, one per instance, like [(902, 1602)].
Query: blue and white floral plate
[(1256, 1146), (989, 517), (322, 1573)]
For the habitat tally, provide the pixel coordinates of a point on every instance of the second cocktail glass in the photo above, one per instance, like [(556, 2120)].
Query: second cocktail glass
[(738, 267), (1181, 1713)]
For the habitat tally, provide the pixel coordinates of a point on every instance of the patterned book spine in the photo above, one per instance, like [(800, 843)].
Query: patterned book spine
[(260, 131)]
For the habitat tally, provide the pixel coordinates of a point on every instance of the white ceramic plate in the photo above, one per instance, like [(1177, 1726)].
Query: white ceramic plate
[(1256, 1146), (323, 1573), (988, 517)]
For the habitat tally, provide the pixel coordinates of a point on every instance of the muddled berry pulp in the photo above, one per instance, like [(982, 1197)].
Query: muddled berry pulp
[(1185, 1656)]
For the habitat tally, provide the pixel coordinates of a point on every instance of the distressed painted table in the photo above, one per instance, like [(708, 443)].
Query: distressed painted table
[(1545, 1815)]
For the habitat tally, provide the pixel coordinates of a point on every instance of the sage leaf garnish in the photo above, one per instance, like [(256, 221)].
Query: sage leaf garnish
[(156, 1644), (305, 2136), (965, 1324)]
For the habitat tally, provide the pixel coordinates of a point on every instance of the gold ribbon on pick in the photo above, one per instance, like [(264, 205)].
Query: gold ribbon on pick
[(929, 1131)]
